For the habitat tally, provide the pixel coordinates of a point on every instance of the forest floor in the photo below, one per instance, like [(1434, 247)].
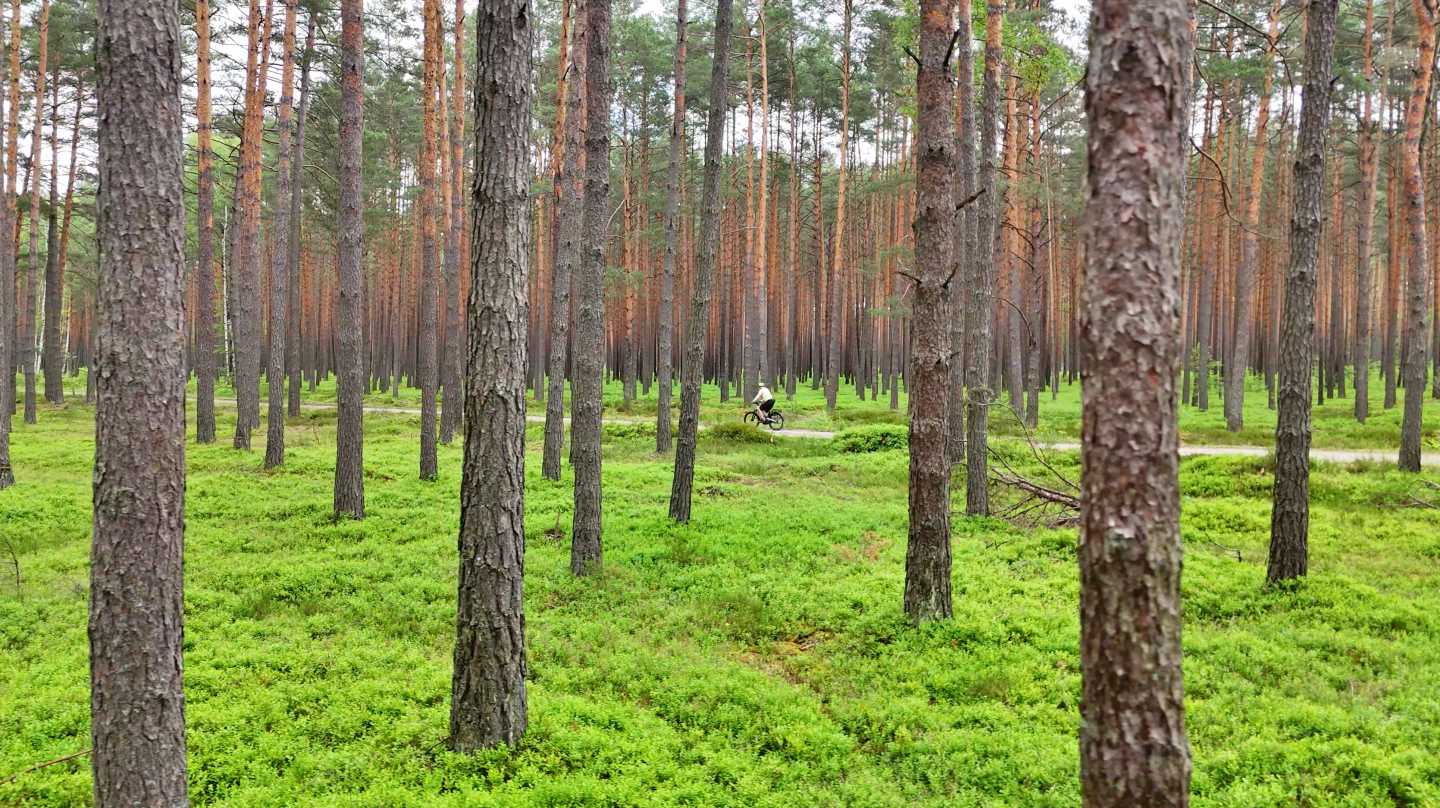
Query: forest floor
[(756, 657)]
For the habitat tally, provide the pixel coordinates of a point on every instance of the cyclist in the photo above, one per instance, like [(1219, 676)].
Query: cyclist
[(764, 402)]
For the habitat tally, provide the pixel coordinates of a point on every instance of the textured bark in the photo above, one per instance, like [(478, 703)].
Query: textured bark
[(664, 351), (137, 704), (248, 254), (280, 261), (205, 233), (295, 269), (7, 257), (1290, 516), (29, 297), (429, 254), (588, 380), (927, 556), (1369, 170), (452, 404), (981, 277), (697, 321), (964, 226), (1417, 287), (833, 358), (1133, 749), (350, 359), (488, 690), (570, 205), (1036, 277), (1250, 240), (52, 361)]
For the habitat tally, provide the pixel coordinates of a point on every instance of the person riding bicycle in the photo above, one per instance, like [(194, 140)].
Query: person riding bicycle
[(764, 402)]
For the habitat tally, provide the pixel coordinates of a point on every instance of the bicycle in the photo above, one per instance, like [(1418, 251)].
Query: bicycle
[(776, 423)]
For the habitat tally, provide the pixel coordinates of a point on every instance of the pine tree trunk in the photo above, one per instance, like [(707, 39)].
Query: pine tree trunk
[(429, 338), (927, 556), (1239, 360), (8, 69), (568, 231), (981, 278), (1133, 749), (588, 380), (1369, 164), (665, 329), (350, 358), (964, 231), (452, 405), (137, 703), (488, 705), (249, 253), (697, 323), (1417, 288), (837, 269), (280, 260), (1290, 517), (30, 296), (205, 233), (52, 361), (294, 267)]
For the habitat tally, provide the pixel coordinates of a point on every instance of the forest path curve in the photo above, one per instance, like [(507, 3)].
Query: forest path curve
[(1188, 450)]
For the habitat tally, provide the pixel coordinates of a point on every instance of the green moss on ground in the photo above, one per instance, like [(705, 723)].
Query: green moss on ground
[(756, 657)]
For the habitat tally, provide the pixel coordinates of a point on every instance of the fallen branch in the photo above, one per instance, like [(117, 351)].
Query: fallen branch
[(38, 766)]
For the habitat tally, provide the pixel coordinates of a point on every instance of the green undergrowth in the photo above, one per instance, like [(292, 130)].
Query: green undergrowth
[(755, 657)]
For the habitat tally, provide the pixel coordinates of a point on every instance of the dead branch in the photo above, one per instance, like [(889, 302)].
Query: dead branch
[(38, 766)]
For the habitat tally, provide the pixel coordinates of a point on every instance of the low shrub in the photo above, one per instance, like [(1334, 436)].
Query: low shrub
[(625, 430), (737, 432), (877, 438)]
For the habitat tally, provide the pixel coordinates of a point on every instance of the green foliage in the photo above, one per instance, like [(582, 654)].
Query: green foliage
[(755, 657), (738, 432), (623, 430), (877, 438)]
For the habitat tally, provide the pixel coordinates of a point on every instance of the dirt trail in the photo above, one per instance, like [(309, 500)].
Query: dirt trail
[(1189, 450)]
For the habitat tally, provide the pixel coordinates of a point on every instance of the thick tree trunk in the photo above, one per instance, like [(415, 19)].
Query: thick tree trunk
[(1417, 288), (981, 276), (137, 704), (697, 323), (1133, 749), (927, 556), (488, 691), (205, 233), (350, 358), (1290, 516), (280, 260), (588, 380), (665, 336)]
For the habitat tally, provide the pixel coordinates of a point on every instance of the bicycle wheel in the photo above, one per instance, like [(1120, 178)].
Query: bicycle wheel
[(777, 421), (751, 418)]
